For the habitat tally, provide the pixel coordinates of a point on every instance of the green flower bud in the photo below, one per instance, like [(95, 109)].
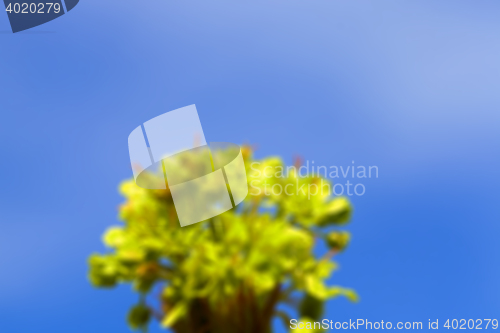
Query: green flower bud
[(138, 317), (311, 307), (338, 240), (338, 211)]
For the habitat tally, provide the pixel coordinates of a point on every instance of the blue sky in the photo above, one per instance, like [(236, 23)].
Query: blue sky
[(411, 87)]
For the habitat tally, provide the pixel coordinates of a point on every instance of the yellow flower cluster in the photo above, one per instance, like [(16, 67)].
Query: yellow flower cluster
[(229, 273)]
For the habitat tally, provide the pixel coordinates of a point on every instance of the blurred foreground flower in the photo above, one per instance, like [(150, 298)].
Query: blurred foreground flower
[(229, 273)]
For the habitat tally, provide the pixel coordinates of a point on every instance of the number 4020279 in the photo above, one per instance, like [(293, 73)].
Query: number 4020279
[(33, 8)]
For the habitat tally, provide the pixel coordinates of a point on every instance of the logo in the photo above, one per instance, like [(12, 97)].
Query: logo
[(170, 152), (26, 14)]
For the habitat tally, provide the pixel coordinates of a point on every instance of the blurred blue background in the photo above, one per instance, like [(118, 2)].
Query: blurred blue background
[(411, 87)]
